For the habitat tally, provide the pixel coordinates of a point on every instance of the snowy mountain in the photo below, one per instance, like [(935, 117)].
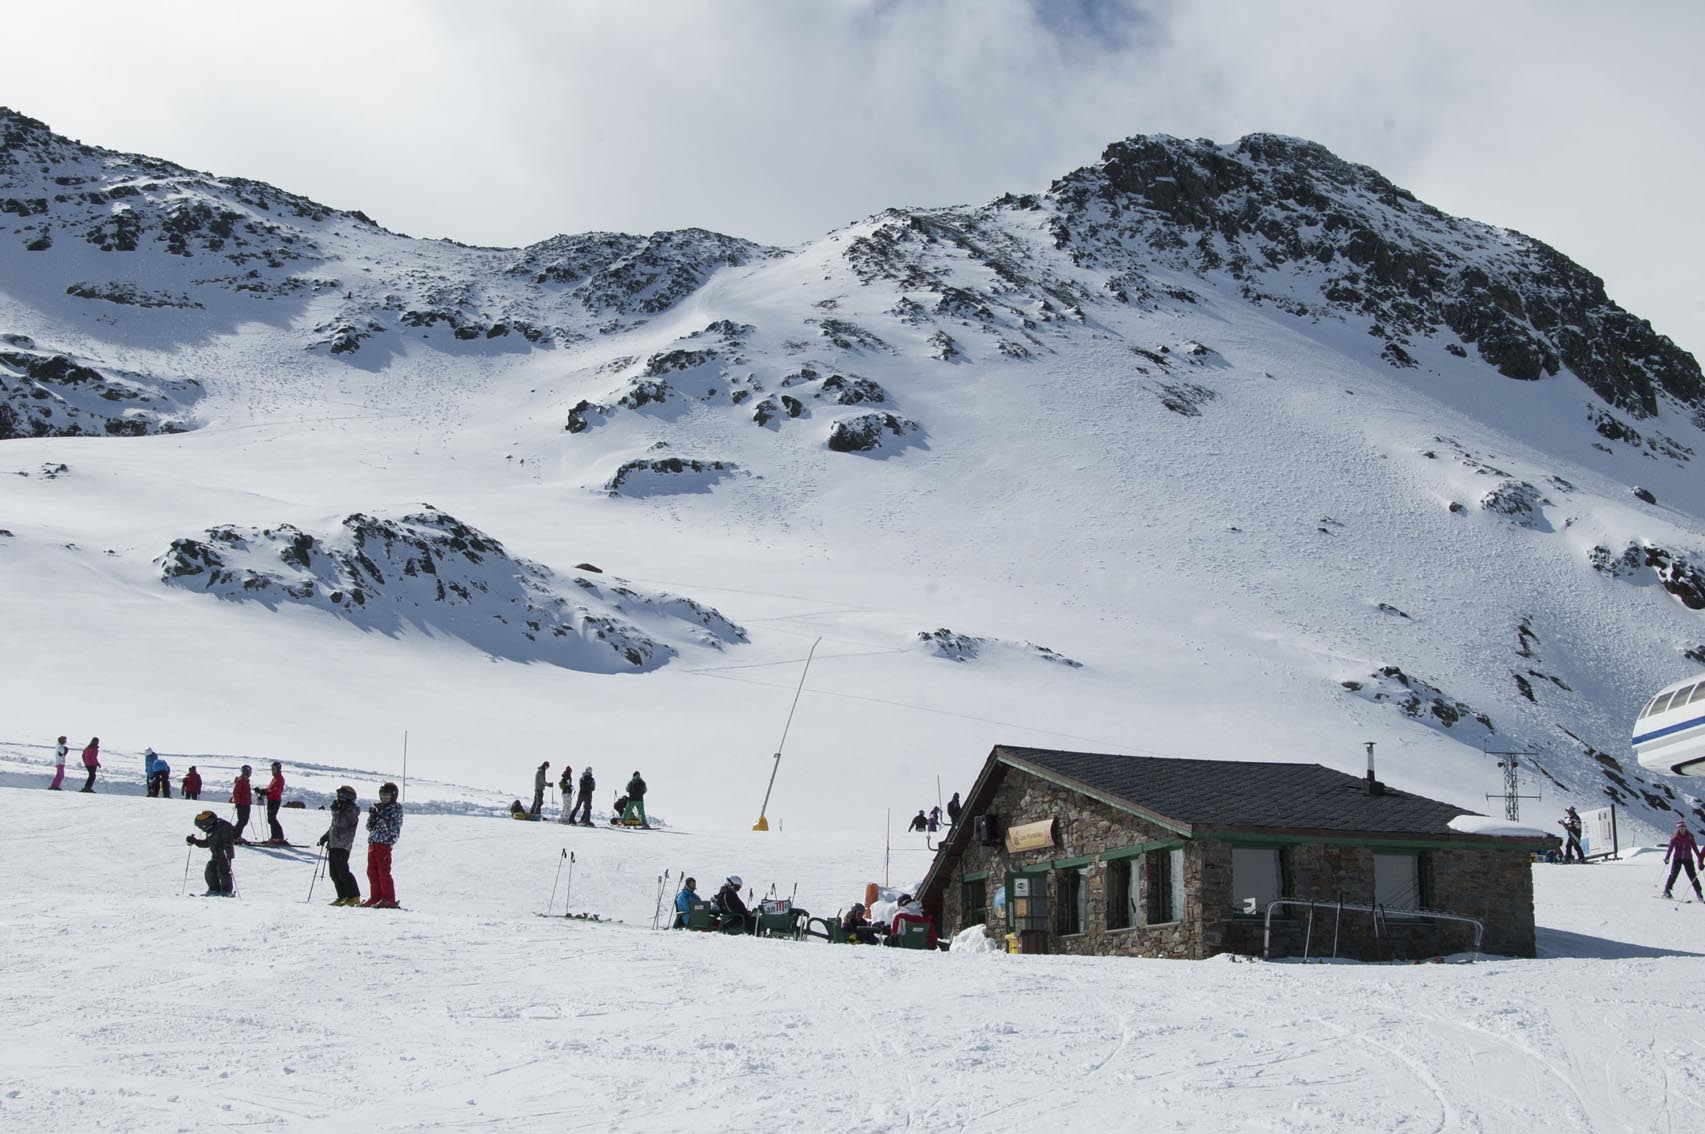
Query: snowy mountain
[(1268, 456)]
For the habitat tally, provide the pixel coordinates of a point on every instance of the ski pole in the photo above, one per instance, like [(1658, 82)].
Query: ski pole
[(314, 876), (657, 909), (184, 885), (568, 893), (554, 881)]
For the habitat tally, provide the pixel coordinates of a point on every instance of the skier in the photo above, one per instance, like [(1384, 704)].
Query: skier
[(583, 802), (539, 790), (149, 780), (221, 840), (728, 903), (1572, 827), (192, 783), (934, 820), (1684, 850), (565, 784), (857, 928), (384, 828), (241, 798), (162, 777), (954, 807), (918, 823), (516, 811), (338, 840), (92, 761), (684, 901), (636, 802), (274, 792), (58, 765)]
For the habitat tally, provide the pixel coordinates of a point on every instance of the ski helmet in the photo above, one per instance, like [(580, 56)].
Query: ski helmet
[(346, 792), (388, 787), (734, 881), (204, 820), (247, 769)]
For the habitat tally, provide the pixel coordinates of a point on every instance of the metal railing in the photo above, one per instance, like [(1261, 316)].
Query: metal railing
[(1380, 913)]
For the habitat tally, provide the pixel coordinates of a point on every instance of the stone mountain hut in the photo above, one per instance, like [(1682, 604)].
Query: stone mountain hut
[(1079, 852)]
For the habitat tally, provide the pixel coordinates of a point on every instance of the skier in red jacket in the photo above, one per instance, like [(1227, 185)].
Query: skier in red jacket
[(240, 796), (274, 793), (1684, 850), (192, 783)]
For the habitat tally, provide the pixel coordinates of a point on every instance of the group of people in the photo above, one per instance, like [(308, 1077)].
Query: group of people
[(384, 827), (575, 809), (855, 926), (156, 772), (930, 820), (628, 809)]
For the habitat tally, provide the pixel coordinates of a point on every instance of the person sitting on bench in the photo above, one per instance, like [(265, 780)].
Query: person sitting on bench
[(910, 911), (728, 903), (857, 928)]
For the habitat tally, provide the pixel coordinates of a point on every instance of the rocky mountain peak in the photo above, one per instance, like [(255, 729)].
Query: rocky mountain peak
[(1300, 228)]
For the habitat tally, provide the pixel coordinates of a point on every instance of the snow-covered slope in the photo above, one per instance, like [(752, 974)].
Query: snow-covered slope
[(1286, 459), (130, 1008)]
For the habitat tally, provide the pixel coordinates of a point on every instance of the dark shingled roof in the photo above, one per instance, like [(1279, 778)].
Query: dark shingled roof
[(1241, 795)]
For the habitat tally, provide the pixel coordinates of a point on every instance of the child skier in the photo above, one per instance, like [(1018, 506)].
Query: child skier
[(565, 784), (58, 765), (221, 840), (338, 840), (384, 827), (192, 783)]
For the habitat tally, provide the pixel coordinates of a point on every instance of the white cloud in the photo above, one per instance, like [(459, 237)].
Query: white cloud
[(778, 121)]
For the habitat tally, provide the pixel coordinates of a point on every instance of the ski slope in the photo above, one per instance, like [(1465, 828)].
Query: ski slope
[(130, 1008)]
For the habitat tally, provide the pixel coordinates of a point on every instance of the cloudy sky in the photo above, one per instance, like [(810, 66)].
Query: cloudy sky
[(778, 120)]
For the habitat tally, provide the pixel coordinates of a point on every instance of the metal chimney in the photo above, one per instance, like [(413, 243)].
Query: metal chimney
[(1374, 787)]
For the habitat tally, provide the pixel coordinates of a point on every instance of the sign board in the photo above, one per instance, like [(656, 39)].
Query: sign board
[(1021, 887), (1598, 833), (1030, 836)]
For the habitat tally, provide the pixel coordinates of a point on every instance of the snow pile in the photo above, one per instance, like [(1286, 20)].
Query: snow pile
[(431, 571), (1501, 828)]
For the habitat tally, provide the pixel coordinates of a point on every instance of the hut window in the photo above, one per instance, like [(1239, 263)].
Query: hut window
[(1163, 879), (1074, 901), (1255, 874), (1122, 893), (1397, 881), (971, 897)]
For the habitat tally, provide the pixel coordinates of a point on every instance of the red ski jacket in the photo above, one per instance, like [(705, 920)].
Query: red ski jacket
[(192, 781), (240, 792), (275, 790)]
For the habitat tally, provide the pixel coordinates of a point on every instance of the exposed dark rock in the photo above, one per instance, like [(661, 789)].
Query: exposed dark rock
[(867, 431), (964, 647), (1644, 494), (687, 476)]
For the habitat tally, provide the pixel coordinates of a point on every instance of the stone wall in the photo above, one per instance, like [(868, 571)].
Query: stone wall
[(1495, 886), (1083, 826)]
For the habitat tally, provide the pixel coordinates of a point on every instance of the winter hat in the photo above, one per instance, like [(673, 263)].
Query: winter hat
[(276, 764), (636, 773), (734, 881), (388, 786)]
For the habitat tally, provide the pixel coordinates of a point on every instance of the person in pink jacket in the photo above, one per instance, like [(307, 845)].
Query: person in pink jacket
[(91, 761), (1683, 850)]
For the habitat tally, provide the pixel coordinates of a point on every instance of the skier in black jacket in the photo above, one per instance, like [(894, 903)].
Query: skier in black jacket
[(954, 807), (728, 902), (583, 802), (222, 841), (636, 802), (565, 784), (339, 839)]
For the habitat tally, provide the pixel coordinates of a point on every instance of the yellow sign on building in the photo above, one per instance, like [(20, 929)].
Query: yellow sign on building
[(1030, 836)]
